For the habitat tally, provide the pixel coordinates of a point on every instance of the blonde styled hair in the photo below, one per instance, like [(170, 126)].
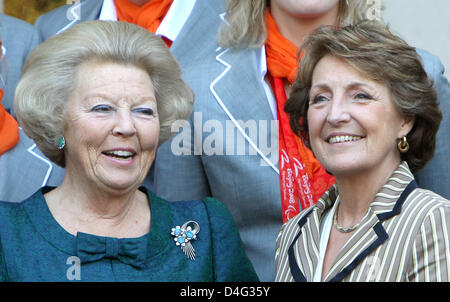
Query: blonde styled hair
[(48, 78), (245, 21)]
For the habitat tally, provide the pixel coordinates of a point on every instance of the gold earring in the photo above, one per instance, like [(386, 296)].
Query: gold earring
[(403, 145)]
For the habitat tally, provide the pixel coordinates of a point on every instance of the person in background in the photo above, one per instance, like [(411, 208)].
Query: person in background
[(435, 175), (19, 38), (110, 95), (23, 168), (9, 129), (372, 123), (243, 87), (187, 26), (240, 94)]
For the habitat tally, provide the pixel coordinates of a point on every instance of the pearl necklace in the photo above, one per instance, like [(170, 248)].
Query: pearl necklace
[(341, 228)]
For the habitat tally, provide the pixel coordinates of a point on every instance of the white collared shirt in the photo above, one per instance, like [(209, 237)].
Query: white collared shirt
[(262, 71), (324, 231), (172, 23)]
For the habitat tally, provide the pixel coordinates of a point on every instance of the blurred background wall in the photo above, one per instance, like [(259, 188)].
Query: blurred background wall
[(422, 23), (29, 10)]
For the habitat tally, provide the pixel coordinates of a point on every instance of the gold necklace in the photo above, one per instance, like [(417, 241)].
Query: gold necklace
[(341, 228)]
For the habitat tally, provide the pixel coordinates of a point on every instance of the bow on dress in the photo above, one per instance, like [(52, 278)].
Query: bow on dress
[(131, 251)]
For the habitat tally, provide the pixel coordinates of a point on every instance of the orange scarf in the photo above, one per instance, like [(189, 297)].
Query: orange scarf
[(9, 129), (149, 15), (295, 158), (281, 53)]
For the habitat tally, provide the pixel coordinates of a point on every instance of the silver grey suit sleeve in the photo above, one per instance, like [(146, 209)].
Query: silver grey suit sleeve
[(19, 39), (179, 176), (436, 174)]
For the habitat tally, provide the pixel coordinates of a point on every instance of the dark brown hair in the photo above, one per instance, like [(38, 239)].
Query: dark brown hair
[(373, 50)]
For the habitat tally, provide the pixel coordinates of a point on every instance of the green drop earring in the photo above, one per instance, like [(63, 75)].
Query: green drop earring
[(61, 143)]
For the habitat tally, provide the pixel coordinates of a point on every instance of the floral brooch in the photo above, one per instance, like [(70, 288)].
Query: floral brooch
[(184, 235)]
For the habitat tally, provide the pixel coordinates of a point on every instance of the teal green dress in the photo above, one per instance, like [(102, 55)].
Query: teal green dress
[(34, 247)]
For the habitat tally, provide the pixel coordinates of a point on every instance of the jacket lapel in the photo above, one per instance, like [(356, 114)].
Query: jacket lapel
[(371, 234), (239, 92), (303, 253), (367, 238), (305, 245), (80, 11), (25, 162), (198, 35), (43, 170)]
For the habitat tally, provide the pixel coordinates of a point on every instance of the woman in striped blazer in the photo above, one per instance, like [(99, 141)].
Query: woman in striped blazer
[(365, 105)]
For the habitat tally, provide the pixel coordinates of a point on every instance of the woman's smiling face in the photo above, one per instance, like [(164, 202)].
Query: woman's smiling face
[(353, 121), (112, 127)]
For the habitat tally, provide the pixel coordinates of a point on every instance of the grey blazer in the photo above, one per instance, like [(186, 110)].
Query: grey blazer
[(226, 85), (196, 37), (24, 169), (19, 38), (228, 89), (436, 174)]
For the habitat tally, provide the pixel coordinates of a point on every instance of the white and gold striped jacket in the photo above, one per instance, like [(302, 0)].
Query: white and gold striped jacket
[(403, 237)]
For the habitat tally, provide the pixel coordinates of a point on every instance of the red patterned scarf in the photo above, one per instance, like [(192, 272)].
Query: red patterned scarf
[(302, 178)]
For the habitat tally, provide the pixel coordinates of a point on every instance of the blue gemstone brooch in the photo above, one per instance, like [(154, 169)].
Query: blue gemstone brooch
[(183, 236)]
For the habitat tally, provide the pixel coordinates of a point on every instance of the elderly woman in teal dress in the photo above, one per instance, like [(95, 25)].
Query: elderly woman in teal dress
[(98, 100)]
